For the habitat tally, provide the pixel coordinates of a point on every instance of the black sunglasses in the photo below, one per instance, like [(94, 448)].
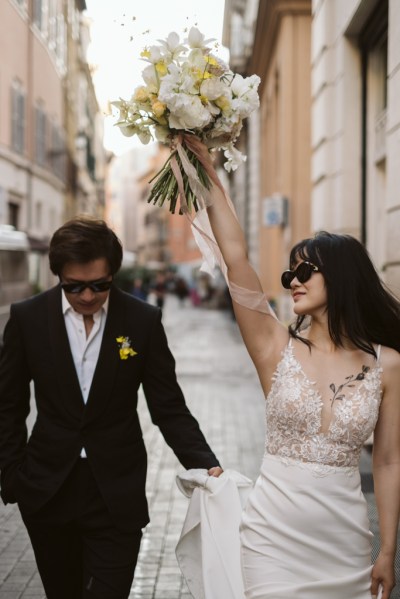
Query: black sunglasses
[(95, 286), (302, 273)]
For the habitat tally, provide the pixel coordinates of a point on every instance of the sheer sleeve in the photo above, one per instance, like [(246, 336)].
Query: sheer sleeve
[(251, 299), (212, 257)]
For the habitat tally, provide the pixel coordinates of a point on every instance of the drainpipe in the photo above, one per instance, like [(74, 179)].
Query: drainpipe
[(29, 118), (364, 65)]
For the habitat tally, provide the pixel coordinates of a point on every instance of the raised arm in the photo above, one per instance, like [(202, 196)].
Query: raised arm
[(231, 242), (262, 333)]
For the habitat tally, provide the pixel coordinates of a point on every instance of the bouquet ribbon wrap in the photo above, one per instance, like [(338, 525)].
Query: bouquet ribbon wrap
[(201, 228)]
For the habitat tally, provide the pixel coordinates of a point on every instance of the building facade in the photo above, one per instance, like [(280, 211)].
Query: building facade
[(323, 151), (41, 164), (274, 188), (356, 126)]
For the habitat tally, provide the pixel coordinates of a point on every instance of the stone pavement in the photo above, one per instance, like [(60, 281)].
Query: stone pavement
[(223, 393)]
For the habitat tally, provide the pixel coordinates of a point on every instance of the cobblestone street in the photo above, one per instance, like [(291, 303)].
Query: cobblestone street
[(223, 393)]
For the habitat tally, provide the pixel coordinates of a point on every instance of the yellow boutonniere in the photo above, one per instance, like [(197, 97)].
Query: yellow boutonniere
[(125, 349)]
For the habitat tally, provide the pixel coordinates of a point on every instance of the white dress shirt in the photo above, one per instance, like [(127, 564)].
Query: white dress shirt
[(85, 350)]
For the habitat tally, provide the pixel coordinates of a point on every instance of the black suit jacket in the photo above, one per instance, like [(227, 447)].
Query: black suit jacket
[(36, 348)]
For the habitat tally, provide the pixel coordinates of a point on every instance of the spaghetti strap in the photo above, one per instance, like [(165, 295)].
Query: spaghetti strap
[(378, 352)]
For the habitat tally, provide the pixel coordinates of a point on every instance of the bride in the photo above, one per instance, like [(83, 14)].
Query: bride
[(329, 380)]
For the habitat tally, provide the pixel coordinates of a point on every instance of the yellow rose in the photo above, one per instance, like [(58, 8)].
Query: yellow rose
[(141, 94), (222, 102), (158, 108)]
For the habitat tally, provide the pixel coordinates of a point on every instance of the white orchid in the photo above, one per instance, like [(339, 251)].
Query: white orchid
[(171, 46), (196, 39), (149, 75), (161, 133), (152, 54), (235, 158), (245, 90), (144, 135)]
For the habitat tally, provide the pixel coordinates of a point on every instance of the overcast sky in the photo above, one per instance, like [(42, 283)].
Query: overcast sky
[(122, 28)]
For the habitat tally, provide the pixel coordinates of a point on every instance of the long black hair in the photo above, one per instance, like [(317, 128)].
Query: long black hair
[(360, 307)]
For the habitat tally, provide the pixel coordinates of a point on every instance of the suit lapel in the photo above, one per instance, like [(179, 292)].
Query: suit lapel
[(66, 373), (109, 360)]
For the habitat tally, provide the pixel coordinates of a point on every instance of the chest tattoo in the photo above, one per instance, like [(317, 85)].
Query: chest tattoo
[(338, 393)]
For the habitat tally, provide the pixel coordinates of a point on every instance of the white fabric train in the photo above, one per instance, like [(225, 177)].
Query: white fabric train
[(208, 551)]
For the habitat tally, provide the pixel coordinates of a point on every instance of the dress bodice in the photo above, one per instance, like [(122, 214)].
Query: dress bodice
[(294, 411)]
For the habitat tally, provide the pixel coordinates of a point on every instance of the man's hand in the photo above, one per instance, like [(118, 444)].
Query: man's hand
[(215, 471)]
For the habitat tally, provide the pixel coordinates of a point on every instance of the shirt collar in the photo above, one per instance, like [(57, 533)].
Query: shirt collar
[(66, 306)]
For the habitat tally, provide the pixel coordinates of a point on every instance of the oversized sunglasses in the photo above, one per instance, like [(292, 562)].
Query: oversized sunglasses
[(302, 273), (95, 286)]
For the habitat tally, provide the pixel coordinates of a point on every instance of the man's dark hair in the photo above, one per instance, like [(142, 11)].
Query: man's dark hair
[(82, 240)]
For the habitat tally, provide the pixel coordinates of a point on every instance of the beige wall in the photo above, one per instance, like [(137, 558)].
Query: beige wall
[(284, 68), (18, 52), (45, 177), (35, 189), (336, 123), (12, 27), (337, 133)]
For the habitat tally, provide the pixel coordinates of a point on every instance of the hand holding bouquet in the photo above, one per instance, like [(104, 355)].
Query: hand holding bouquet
[(190, 100)]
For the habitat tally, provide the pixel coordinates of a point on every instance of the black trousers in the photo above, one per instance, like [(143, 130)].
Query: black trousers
[(79, 552)]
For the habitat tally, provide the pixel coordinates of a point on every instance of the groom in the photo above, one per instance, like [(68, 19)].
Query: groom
[(79, 479)]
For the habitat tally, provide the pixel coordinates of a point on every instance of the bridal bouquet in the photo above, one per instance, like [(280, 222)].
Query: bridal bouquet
[(189, 98)]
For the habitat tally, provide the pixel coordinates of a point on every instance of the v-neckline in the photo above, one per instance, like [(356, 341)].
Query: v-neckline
[(313, 384)]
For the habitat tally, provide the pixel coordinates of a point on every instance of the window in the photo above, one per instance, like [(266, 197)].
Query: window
[(52, 23), (40, 136), (13, 214), (14, 267), (17, 118), (58, 152), (38, 216), (21, 4), (61, 42), (373, 42), (73, 19), (90, 159), (37, 13)]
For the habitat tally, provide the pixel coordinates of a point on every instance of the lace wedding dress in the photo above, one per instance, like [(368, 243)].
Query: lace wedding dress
[(305, 530)]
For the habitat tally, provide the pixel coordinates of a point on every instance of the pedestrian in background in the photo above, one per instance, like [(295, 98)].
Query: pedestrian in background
[(160, 289), (329, 381), (139, 289), (181, 290), (79, 480)]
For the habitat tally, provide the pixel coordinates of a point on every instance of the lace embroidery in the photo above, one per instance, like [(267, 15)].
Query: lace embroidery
[(293, 415)]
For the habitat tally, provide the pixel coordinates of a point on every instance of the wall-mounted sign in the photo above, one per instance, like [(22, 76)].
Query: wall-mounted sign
[(275, 211)]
